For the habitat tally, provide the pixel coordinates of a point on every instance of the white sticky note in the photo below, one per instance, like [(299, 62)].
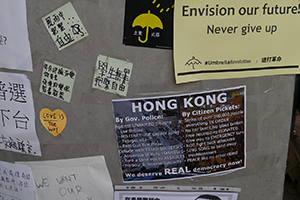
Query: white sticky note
[(80, 178), (64, 26), (112, 75), (57, 81)]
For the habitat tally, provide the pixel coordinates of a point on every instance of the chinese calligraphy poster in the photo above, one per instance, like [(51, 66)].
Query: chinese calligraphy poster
[(194, 134), (17, 116)]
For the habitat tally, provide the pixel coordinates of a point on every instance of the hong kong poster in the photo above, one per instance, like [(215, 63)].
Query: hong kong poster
[(181, 136)]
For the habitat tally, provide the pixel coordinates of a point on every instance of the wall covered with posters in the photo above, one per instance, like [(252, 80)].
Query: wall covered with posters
[(102, 84)]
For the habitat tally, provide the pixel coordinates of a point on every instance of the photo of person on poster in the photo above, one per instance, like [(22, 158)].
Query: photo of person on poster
[(207, 197)]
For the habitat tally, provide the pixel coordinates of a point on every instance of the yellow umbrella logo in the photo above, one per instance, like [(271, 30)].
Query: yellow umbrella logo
[(147, 20)]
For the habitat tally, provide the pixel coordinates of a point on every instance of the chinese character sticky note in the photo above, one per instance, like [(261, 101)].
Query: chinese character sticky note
[(17, 124), (112, 75), (64, 26), (57, 81)]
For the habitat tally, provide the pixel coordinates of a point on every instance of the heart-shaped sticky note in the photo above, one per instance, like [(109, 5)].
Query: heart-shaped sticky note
[(54, 122)]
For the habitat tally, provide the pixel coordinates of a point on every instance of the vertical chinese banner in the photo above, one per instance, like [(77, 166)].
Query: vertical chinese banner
[(17, 117)]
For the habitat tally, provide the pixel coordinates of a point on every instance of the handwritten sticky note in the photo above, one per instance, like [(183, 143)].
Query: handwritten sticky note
[(64, 26), (80, 178), (16, 182), (112, 75), (57, 81), (54, 122)]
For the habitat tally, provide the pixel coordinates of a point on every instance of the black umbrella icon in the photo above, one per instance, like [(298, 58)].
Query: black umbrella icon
[(193, 61)]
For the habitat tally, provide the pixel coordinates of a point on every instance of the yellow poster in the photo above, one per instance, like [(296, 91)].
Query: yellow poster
[(235, 39)]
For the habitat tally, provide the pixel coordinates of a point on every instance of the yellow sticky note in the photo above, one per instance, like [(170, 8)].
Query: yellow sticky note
[(54, 122)]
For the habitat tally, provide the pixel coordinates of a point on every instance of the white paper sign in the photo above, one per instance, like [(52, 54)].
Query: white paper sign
[(15, 182), (14, 43), (158, 195), (80, 178), (182, 136), (17, 116), (64, 26)]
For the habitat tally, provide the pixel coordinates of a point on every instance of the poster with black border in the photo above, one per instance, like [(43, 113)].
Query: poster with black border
[(181, 136), (149, 23), (163, 195)]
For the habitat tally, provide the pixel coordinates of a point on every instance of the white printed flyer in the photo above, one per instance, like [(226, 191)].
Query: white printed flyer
[(159, 195), (180, 136)]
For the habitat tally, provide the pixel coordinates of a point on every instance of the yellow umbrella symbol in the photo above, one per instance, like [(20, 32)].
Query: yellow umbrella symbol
[(147, 20)]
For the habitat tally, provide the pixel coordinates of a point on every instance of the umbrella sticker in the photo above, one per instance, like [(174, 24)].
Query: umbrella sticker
[(149, 23), (193, 61), (147, 20)]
